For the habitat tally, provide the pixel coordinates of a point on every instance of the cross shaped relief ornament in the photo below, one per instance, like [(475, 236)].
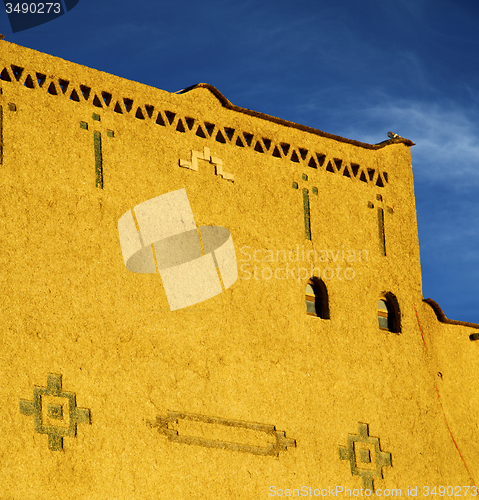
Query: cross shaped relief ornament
[(307, 214), (55, 412), (381, 231), (365, 456), (98, 151), (206, 155)]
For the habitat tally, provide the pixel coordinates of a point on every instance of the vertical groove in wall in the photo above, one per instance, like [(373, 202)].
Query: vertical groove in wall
[(307, 217), (98, 160), (382, 237)]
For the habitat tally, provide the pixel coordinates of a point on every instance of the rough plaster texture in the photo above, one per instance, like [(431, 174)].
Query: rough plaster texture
[(248, 367)]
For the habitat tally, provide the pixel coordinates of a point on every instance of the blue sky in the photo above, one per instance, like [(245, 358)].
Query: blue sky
[(353, 68)]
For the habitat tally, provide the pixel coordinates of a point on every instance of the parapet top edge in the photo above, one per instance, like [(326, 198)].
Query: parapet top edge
[(60, 60), (227, 104), (442, 317)]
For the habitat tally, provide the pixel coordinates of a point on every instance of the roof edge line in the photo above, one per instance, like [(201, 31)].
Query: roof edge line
[(229, 105), (442, 317)]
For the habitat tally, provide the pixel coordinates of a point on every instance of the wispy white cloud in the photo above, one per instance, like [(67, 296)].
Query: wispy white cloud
[(446, 137)]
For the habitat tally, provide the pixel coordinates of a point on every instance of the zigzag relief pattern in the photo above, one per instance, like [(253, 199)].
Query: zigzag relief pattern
[(190, 125)]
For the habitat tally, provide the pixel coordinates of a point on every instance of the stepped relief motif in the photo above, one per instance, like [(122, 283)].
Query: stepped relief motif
[(222, 433), (365, 456), (55, 412)]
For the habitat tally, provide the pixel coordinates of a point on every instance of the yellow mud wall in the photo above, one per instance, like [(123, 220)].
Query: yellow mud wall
[(282, 390), (452, 359)]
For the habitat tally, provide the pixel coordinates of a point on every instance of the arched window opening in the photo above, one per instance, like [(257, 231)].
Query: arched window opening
[(317, 299), (384, 315), (312, 301), (388, 313)]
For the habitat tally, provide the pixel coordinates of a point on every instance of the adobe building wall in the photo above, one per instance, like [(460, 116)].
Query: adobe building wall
[(241, 395)]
